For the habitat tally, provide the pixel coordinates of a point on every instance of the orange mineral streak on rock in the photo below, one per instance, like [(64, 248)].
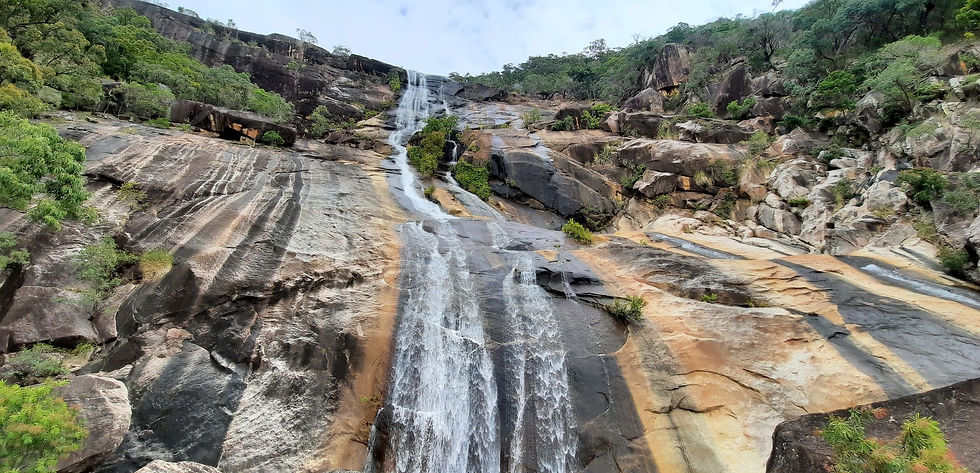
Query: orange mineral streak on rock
[(710, 382)]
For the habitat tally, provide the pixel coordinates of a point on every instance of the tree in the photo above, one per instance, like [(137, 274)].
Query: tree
[(341, 50), (35, 161), (836, 91), (903, 69), (968, 17), (306, 36), (36, 429)]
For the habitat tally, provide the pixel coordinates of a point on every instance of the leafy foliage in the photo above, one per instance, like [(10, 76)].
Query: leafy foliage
[(272, 138), (473, 179), (758, 142), (34, 161), (577, 231), (836, 91), (36, 429), (426, 156), (132, 195), (700, 110), (628, 309), (923, 184), (955, 260), (99, 264), (565, 124), (9, 253), (921, 447), (740, 111), (531, 117), (445, 124), (35, 363), (964, 196), (843, 191)]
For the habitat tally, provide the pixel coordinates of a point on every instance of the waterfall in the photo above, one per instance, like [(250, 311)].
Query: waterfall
[(534, 360), (441, 411)]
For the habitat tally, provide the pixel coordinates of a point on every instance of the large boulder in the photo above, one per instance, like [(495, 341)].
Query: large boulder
[(103, 405), (796, 448), (868, 112), (778, 220), (670, 69), (230, 124), (648, 100), (712, 131), (776, 107), (735, 85), (769, 84), (160, 466), (654, 183), (542, 181), (645, 124), (678, 157), (799, 142)]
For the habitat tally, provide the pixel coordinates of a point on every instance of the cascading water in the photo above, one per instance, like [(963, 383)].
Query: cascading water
[(441, 413)]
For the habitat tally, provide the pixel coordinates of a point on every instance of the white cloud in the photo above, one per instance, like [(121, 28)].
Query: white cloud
[(442, 36)]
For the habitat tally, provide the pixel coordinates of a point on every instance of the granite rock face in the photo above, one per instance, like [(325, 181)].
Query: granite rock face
[(232, 124), (104, 408), (670, 69)]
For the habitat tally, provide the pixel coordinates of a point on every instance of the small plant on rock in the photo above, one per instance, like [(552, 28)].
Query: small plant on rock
[(577, 231), (99, 264), (429, 191), (842, 191), (955, 260), (272, 138), (923, 184), (531, 117), (628, 309), (758, 142), (132, 195), (9, 253), (155, 264), (800, 202), (709, 297), (740, 111), (700, 110)]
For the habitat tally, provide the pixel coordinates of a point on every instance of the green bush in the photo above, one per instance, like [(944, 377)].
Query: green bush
[(132, 195), (592, 118), (426, 156), (700, 110), (429, 191), (836, 91), (842, 191), (964, 197), (628, 309), (9, 253), (155, 264), (923, 184), (758, 142), (723, 173), (606, 155), (271, 104), (145, 101), (709, 297), (99, 264), (158, 122), (446, 124), (740, 111), (272, 138), (35, 363), (725, 208), (394, 82), (37, 429), (955, 260), (472, 178), (577, 231), (968, 16), (921, 447), (20, 102), (565, 124), (531, 117), (36, 161), (636, 173), (801, 202)]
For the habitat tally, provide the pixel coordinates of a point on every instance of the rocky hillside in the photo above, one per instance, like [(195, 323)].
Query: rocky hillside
[(239, 307)]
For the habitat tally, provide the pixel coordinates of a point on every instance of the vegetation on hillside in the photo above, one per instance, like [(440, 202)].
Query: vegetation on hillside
[(920, 447), (37, 428), (56, 53), (426, 155)]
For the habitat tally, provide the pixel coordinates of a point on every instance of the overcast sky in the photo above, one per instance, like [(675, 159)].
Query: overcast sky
[(443, 36)]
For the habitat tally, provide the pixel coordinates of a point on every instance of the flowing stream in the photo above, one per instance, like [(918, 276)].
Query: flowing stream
[(441, 411)]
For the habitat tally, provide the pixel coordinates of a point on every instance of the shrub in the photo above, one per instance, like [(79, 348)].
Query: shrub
[(426, 156), (955, 260), (132, 195), (801, 202), (145, 101), (158, 123), (394, 82), (666, 132), (271, 104), (531, 117), (709, 297), (577, 231), (565, 124), (701, 179), (35, 363), (701, 110), (592, 118), (723, 173), (923, 184), (155, 264), (964, 197), (429, 191), (38, 161), (842, 191), (606, 154), (37, 429), (99, 264), (758, 142), (636, 173), (20, 102), (926, 230), (673, 101), (272, 138), (740, 111), (474, 179), (921, 446), (9, 254), (725, 208), (628, 309), (836, 91), (446, 124)]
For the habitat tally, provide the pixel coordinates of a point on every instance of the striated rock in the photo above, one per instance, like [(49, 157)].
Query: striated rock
[(678, 157), (160, 466), (230, 124), (645, 124), (734, 85), (103, 405), (868, 112), (796, 448), (544, 182), (775, 107), (612, 124), (712, 131), (769, 84), (648, 100), (670, 69), (779, 220), (799, 142), (654, 183), (766, 124), (883, 195)]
